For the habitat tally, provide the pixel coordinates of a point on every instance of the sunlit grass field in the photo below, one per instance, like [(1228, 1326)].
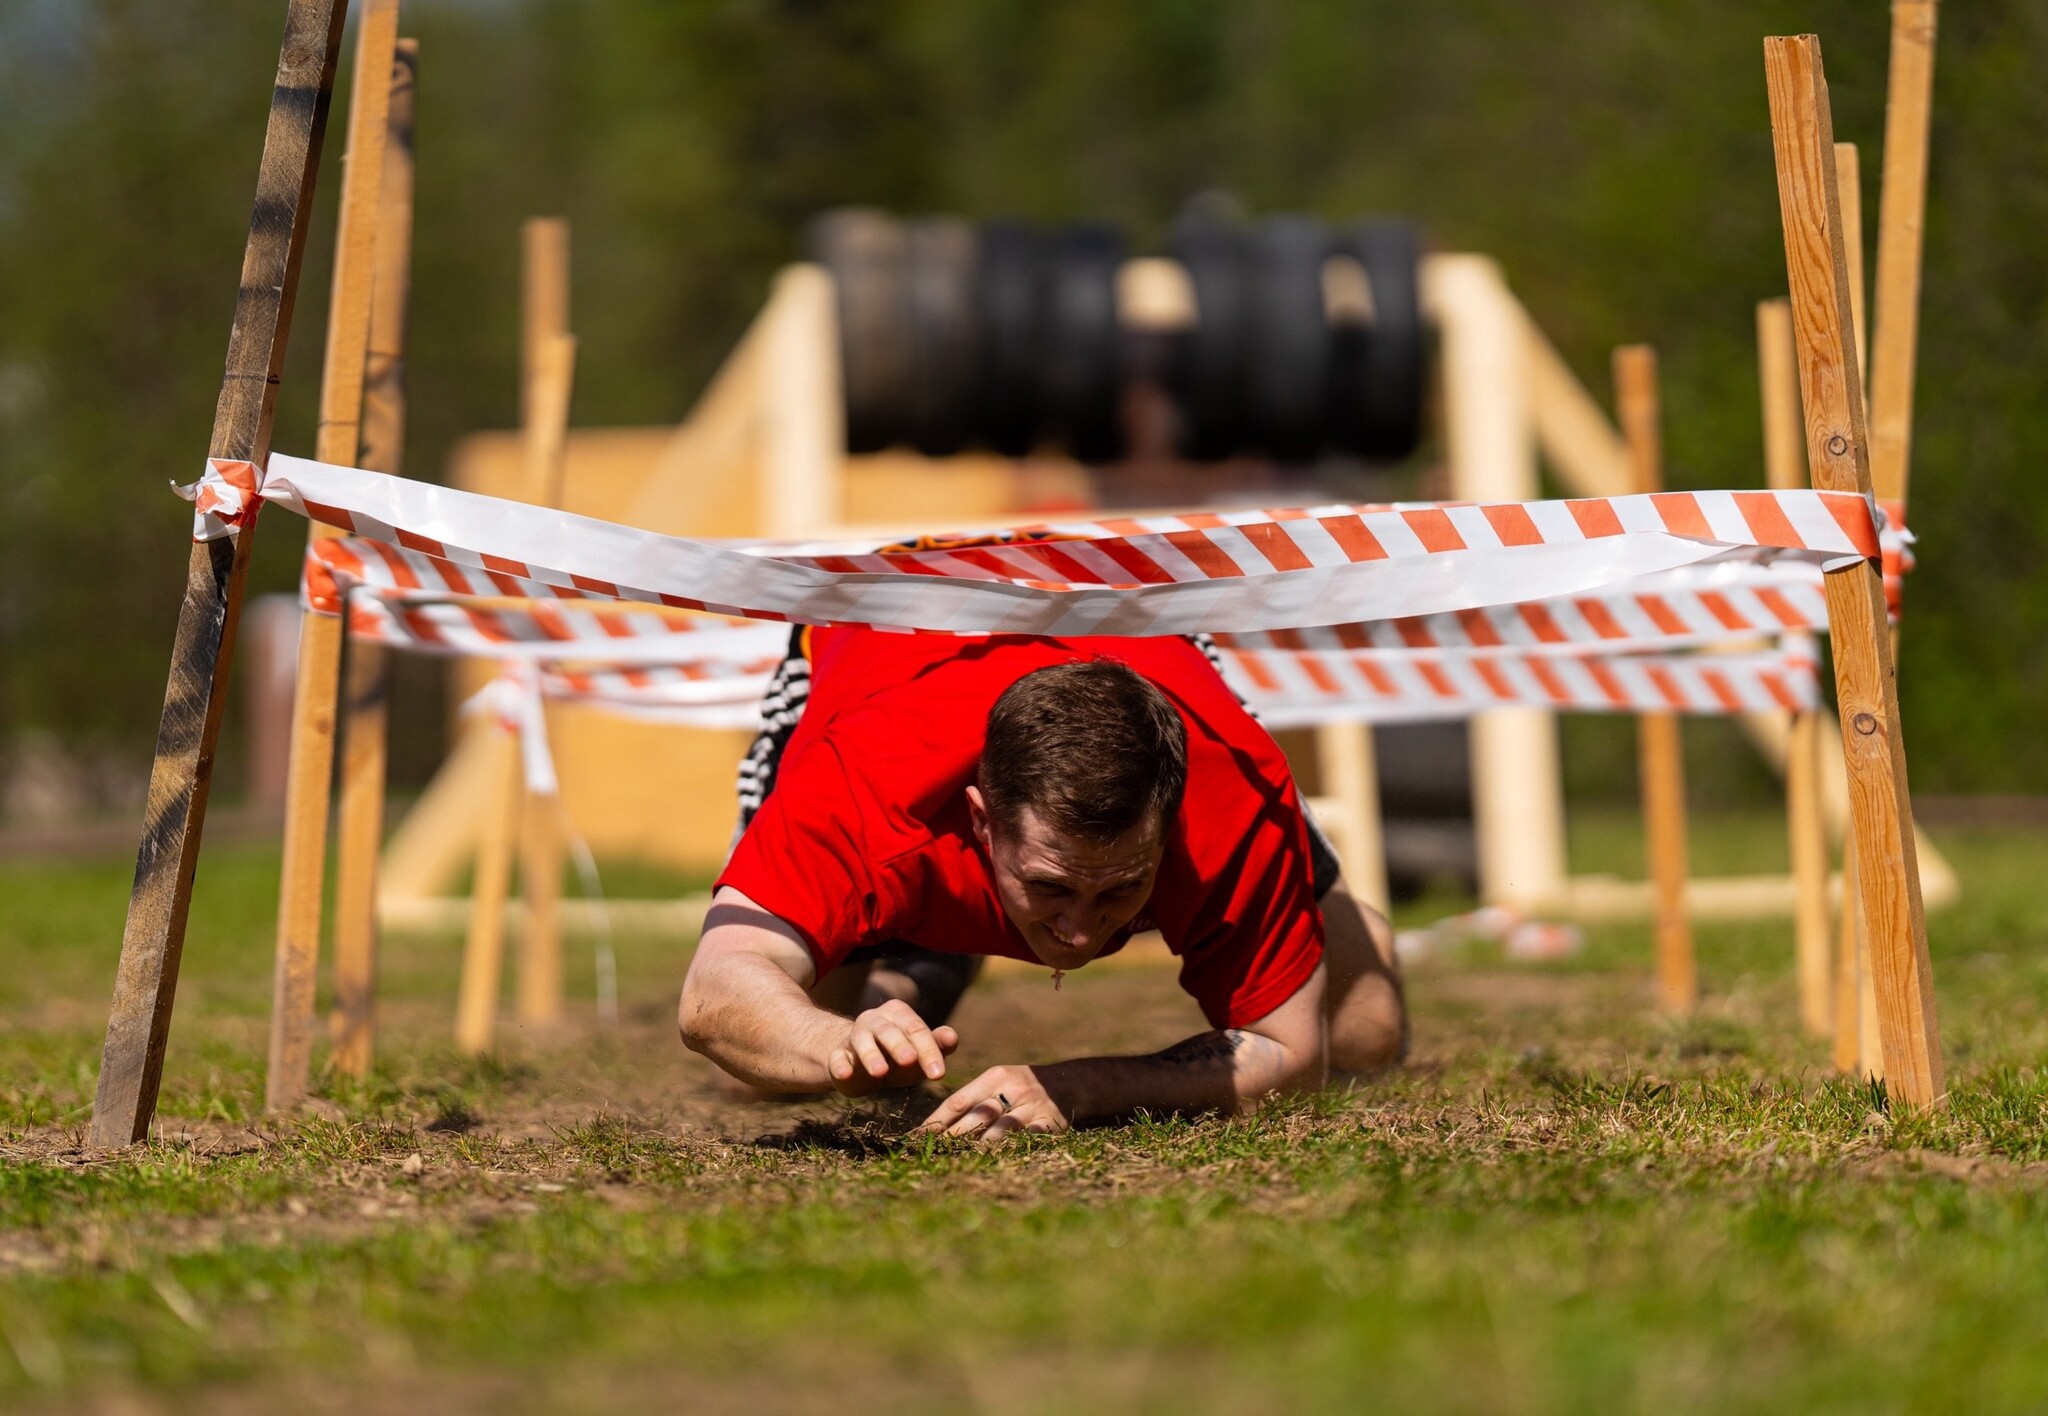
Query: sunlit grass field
[(1564, 1203)]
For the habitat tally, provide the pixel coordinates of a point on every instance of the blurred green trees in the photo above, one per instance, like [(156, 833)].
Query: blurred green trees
[(1614, 156)]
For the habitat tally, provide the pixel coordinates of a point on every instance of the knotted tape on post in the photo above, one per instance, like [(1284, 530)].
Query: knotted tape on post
[(225, 499), (512, 700)]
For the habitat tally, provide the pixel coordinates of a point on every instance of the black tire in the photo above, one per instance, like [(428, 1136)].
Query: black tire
[(865, 252), (1081, 358), (1009, 282), (1207, 371), (1381, 377), (1288, 353), (944, 335)]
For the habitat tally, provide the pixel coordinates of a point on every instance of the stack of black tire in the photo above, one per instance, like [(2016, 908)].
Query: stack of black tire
[(1006, 336)]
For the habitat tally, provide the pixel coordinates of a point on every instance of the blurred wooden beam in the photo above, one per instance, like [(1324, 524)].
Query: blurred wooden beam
[(1660, 749), (1805, 812), (1901, 220), (315, 701), (359, 819)]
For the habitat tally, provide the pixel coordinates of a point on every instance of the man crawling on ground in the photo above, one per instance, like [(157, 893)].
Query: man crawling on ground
[(917, 803)]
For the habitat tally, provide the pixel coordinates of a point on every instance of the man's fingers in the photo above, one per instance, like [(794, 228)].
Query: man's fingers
[(871, 1056), (1000, 1127), (929, 1055), (841, 1065), (985, 1112), (900, 1048), (958, 1104), (946, 1038)]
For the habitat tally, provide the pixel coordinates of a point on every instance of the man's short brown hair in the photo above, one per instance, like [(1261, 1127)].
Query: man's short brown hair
[(1092, 747)]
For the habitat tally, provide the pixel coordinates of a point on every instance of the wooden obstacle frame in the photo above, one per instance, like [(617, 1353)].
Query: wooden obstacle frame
[(789, 407), (1888, 882)]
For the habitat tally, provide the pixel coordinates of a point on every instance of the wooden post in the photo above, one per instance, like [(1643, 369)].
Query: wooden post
[(483, 957), (1850, 965), (1517, 790), (547, 358), (153, 939), (803, 437), (1805, 817), (1849, 185), (1891, 361), (542, 848), (1888, 874), (1350, 777), (543, 299), (359, 820), (1660, 750), (1900, 218), (1862, 1044), (315, 703)]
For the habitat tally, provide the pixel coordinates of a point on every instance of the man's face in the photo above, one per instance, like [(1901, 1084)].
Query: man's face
[(1068, 896)]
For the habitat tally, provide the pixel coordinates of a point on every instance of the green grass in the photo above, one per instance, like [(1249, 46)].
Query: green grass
[(1565, 1204)]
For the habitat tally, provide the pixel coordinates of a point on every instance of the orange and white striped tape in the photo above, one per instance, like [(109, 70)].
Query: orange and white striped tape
[(1301, 687), (1291, 688), (1229, 571)]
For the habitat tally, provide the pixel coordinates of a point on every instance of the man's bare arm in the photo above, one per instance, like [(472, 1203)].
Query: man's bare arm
[(745, 1006), (1227, 1070)]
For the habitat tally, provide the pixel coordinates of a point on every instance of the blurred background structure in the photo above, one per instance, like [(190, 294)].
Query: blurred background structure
[(1614, 158)]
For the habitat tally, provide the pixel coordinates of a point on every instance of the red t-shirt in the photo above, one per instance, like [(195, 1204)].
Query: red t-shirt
[(866, 837)]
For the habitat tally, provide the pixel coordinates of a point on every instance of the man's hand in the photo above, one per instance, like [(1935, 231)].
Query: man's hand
[(889, 1046), (999, 1101)]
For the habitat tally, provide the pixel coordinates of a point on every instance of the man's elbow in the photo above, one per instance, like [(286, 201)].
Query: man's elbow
[(694, 1017)]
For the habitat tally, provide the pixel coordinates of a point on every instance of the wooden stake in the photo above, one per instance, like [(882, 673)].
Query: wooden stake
[(1850, 965), (1855, 941), (543, 850), (315, 705), (548, 364), (153, 939), (1849, 186), (1900, 221), (1805, 815), (543, 300), (1350, 776), (1660, 748), (1807, 832), (1517, 791), (360, 818), (1888, 874), (483, 957)]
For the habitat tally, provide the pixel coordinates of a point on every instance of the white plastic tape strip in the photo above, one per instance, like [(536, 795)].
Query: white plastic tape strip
[(1235, 571)]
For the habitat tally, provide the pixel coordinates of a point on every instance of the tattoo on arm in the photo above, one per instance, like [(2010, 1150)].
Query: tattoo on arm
[(1226, 1045)]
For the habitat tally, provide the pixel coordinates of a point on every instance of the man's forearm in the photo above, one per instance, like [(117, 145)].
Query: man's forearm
[(1226, 1070), (752, 1019)]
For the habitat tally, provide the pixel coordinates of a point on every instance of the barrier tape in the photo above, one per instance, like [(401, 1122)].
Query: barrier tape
[(1291, 688), (1229, 571), (1711, 602), (560, 633), (1301, 688)]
